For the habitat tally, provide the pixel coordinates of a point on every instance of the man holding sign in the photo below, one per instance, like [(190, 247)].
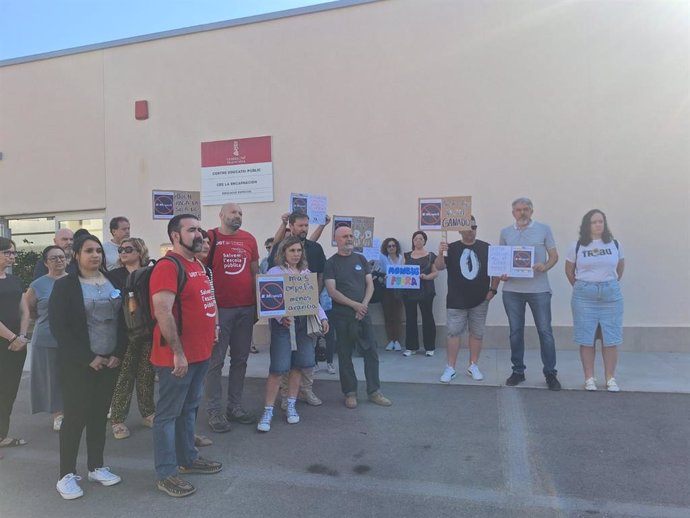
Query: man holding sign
[(350, 285), (535, 291)]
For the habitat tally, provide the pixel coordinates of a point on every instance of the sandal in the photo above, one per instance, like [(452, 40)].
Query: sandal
[(120, 431), (9, 442)]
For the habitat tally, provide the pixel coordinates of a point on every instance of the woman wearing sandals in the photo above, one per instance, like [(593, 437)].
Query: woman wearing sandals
[(136, 369), (87, 321), (594, 266), (291, 259), (14, 322), (46, 395)]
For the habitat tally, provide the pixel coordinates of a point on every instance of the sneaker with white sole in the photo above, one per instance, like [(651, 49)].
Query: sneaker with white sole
[(265, 421), (57, 423), (104, 476), (407, 353), (612, 386), (429, 353), (474, 372), (390, 346), (590, 384), (292, 415), (331, 368), (448, 374), (397, 346), (68, 487)]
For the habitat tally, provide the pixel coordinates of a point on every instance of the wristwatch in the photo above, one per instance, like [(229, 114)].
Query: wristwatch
[(495, 292)]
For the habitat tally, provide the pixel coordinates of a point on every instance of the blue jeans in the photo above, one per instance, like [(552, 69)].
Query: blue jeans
[(540, 305), (175, 418)]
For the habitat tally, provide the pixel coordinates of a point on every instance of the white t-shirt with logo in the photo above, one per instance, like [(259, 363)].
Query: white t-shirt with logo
[(596, 262)]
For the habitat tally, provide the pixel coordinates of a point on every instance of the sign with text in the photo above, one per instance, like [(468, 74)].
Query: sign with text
[(238, 171), (513, 261), (372, 252), (402, 276), (313, 206), (362, 229), (447, 213), (167, 204), (287, 295)]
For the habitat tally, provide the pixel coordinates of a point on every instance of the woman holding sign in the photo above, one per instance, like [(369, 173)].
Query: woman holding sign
[(289, 258), (391, 254), (594, 266), (424, 297)]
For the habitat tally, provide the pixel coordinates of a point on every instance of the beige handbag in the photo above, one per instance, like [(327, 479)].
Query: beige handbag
[(314, 328)]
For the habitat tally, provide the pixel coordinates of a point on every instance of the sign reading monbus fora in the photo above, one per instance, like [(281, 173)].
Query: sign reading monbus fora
[(447, 213)]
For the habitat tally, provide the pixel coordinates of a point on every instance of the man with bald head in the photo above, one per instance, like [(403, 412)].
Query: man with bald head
[(349, 283), (234, 260), (64, 238)]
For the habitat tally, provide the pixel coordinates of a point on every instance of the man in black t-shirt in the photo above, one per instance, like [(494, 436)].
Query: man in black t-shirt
[(469, 292), (349, 283)]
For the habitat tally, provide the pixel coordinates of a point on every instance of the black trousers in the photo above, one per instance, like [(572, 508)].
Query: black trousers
[(86, 394), (428, 324), (11, 366)]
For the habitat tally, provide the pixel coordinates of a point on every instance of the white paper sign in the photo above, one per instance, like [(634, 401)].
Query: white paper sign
[(312, 205), (513, 261), (373, 252)]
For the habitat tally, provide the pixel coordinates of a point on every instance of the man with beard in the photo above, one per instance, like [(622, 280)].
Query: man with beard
[(181, 356), (298, 223), (234, 260), (64, 238)]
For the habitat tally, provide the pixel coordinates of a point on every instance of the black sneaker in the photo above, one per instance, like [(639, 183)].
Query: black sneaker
[(202, 466), (241, 416), (218, 423), (515, 379), (175, 486), (552, 382)]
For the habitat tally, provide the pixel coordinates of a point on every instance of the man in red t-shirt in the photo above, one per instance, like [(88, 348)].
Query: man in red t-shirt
[(234, 259), (181, 359)]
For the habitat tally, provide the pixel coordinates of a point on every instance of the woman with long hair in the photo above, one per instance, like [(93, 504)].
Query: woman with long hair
[(594, 267), (86, 319), (391, 254)]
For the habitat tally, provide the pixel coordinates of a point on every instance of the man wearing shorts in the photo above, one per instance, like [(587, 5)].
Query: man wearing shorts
[(469, 292)]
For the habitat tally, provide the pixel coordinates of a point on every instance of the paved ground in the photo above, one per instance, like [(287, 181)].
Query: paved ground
[(456, 450)]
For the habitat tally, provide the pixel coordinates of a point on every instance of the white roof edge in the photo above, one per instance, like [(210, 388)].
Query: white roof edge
[(298, 11)]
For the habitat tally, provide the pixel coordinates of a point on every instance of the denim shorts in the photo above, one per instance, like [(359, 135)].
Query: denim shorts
[(458, 320), (597, 304), (282, 357)]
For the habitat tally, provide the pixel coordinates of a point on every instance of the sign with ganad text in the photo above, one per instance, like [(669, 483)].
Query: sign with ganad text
[(287, 295), (447, 213)]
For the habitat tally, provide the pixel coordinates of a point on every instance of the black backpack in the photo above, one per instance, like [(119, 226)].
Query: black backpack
[(137, 296)]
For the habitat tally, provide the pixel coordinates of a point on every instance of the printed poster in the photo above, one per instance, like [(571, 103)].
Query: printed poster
[(447, 213), (312, 205), (513, 261), (362, 229)]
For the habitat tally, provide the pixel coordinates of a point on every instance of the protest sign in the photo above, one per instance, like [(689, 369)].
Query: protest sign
[(513, 261), (167, 204), (372, 253), (287, 295), (447, 213), (312, 205), (362, 229), (402, 277)]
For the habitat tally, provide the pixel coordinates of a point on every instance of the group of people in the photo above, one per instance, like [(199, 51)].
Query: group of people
[(86, 362)]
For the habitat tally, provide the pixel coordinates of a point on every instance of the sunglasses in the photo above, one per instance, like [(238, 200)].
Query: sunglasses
[(125, 250)]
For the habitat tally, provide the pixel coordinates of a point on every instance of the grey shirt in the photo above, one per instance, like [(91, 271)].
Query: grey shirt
[(111, 255), (103, 304), (42, 337), (540, 237), (349, 273)]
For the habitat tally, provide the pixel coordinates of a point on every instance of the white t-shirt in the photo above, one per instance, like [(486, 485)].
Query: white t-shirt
[(111, 255), (596, 262)]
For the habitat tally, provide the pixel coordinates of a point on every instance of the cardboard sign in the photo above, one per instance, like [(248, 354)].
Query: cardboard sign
[(362, 229), (513, 261), (403, 276), (167, 204), (313, 206), (448, 213), (287, 295)]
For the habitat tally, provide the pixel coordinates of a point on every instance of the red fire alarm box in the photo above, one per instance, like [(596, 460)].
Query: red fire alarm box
[(141, 110)]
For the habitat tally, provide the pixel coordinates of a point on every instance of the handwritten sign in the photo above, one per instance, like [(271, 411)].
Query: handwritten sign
[(448, 213), (167, 204), (513, 261), (312, 205), (287, 295), (402, 277), (362, 229), (372, 252)]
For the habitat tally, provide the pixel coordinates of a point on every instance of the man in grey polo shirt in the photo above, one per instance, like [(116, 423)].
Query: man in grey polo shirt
[(535, 291)]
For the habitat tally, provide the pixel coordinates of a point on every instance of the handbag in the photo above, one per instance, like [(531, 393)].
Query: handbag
[(314, 328)]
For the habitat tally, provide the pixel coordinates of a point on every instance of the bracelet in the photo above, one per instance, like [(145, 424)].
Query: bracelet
[(13, 339)]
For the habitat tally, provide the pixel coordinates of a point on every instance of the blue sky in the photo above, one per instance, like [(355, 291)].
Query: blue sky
[(34, 26)]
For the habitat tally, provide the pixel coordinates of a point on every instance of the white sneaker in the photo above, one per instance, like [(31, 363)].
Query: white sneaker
[(474, 372), (331, 368), (68, 487), (448, 375), (590, 384), (612, 386), (292, 415), (409, 353), (265, 421), (104, 476), (390, 346), (397, 346), (57, 423), (429, 353)]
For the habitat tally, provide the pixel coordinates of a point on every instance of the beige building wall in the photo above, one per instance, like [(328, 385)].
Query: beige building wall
[(575, 104)]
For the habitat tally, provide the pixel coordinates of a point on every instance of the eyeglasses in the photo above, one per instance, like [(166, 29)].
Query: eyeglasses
[(474, 227), (9, 253), (392, 245), (125, 250), (56, 258)]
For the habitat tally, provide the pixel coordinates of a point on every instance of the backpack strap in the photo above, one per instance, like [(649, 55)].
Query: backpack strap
[(181, 283), (212, 251)]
